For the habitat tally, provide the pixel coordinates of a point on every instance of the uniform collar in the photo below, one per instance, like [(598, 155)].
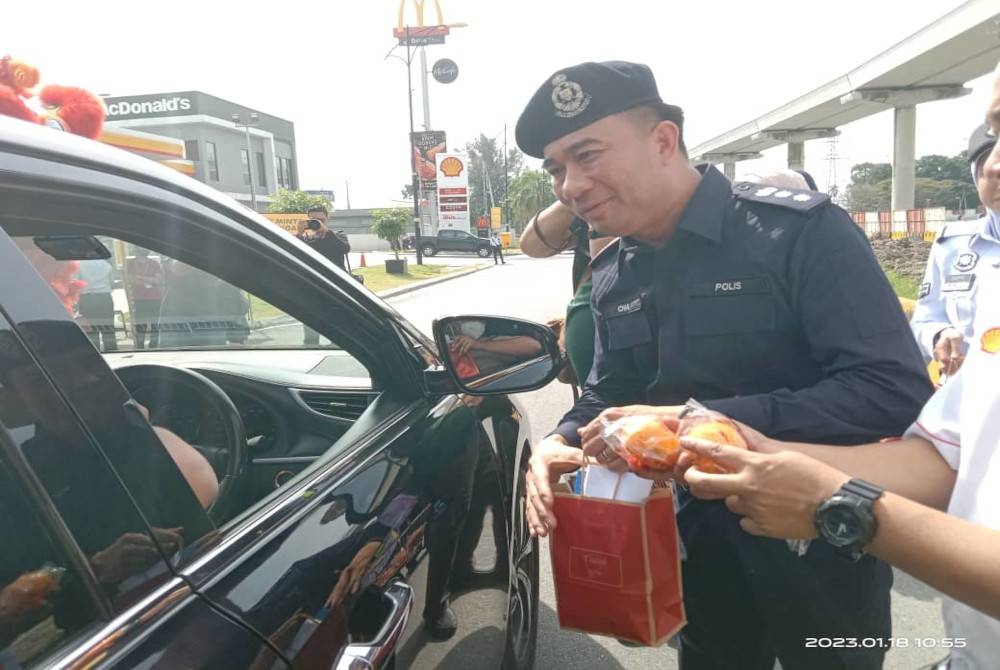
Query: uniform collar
[(706, 210), (704, 213)]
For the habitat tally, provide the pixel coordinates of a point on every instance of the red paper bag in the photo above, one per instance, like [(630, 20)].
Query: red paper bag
[(617, 567)]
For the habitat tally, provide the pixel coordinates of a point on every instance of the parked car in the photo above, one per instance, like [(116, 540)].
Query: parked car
[(455, 241), (370, 484)]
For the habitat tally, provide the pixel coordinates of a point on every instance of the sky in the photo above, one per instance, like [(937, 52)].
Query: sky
[(323, 66)]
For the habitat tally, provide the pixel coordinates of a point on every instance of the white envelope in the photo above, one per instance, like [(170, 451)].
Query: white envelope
[(599, 482)]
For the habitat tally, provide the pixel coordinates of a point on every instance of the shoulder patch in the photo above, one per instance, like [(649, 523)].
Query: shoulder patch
[(789, 198), (958, 229)]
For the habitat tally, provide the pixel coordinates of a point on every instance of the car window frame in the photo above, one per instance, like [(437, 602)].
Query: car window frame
[(78, 196)]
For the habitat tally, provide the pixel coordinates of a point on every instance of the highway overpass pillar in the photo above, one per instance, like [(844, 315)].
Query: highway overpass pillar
[(797, 155), (904, 158), (729, 168)]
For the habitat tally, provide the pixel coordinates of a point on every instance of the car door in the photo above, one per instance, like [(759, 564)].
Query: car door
[(330, 565), (448, 240), (83, 576), (468, 242)]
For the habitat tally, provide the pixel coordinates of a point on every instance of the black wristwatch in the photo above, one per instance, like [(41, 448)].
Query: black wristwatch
[(846, 520)]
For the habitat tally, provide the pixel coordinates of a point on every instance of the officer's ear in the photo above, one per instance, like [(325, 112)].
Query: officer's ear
[(667, 136)]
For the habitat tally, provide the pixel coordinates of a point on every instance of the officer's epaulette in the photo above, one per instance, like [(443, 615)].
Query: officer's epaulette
[(958, 229), (790, 198)]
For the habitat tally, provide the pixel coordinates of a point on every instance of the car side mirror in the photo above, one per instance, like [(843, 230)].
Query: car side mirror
[(487, 355)]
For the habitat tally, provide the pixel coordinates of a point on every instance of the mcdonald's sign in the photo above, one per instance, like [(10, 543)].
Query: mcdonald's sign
[(421, 34)]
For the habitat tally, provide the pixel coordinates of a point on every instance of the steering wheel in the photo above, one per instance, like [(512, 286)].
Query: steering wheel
[(157, 384)]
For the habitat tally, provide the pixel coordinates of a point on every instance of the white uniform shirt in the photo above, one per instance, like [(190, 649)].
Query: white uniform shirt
[(952, 282), (963, 422)]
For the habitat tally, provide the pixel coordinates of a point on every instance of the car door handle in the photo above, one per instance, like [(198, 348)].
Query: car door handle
[(374, 655)]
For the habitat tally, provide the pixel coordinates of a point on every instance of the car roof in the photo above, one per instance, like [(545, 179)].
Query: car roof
[(35, 140)]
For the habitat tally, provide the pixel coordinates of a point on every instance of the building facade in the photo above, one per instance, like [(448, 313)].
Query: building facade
[(230, 146)]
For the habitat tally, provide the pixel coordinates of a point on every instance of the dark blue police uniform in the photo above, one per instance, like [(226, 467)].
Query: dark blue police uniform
[(766, 304)]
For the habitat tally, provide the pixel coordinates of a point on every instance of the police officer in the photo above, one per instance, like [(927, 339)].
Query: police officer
[(942, 319), (765, 303)]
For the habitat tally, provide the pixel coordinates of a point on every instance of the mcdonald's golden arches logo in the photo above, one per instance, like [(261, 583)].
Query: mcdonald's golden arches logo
[(420, 34)]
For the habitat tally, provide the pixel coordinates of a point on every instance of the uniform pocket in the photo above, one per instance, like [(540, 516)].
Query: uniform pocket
[(722, 314), (628, 330)]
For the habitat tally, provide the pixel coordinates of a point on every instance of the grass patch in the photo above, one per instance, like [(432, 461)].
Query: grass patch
[(262, 310), (377, 279), (904, 287)]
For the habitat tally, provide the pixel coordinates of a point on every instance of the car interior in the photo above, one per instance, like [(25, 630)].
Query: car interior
[(221, 352)]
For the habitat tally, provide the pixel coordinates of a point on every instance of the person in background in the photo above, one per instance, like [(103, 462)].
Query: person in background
[(317, 234), (96, 305), (963, 251), (332, 245), (497, 246), (553, 230), (144, 277), (782, 179)]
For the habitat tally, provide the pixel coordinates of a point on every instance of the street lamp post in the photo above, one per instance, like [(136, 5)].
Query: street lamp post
[(253, 121), (415, 184)]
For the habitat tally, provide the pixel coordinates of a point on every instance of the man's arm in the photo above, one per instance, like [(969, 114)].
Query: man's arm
[(548, 232), (874, 381), (911, 467), (953, 555), (777, 494)]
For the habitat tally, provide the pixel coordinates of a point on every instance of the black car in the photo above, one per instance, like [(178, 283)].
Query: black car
[(455, 241), (220, 451)]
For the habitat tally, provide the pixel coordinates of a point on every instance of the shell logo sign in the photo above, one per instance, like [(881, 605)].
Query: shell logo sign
[(991, 341), (452, 166)]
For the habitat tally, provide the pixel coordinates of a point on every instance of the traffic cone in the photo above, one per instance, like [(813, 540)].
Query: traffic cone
[(362, 264)]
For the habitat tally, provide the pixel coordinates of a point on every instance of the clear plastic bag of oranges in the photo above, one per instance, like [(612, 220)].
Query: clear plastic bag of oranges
[(700, 422), (645, 443)]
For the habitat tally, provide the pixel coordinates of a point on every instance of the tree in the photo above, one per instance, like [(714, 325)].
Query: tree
[(530, 192), (289, 202), (486, 174), (390, 225), (937, 167), (864, 197), (870, 173)]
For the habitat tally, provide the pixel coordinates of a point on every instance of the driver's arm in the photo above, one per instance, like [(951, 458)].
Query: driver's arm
[(196, 469)]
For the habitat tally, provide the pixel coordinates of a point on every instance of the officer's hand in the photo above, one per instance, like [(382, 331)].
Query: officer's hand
[(948, 351), (550, 459), (776, 494), (596, 448)]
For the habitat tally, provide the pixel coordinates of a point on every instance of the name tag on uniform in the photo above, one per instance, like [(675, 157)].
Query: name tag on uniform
[(750, 285), (629, 307), (954, 283)]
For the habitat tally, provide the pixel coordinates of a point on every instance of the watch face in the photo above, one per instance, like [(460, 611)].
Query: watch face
[(842, 525)]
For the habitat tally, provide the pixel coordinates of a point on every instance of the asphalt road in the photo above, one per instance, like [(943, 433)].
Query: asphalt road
[(538, 289)]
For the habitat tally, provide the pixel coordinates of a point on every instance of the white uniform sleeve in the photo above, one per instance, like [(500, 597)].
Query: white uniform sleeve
[(929, 315), (939, 421)]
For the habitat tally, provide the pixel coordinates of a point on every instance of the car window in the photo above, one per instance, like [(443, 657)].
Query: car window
[(44, 600), (144, 299), (449, 234), (78, 488)]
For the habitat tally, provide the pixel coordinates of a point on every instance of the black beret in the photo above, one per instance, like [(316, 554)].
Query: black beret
[(577, 96), (980, 142)]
